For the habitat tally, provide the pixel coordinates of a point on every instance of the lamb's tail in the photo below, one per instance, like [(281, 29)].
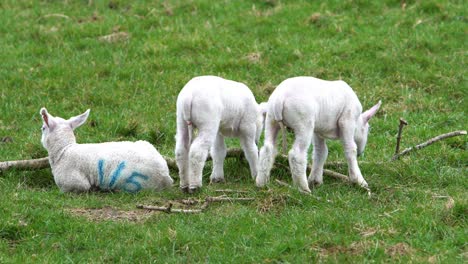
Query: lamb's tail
[(187, 116), (277, 111)]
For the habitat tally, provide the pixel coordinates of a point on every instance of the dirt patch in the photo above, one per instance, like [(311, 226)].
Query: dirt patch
[(399, 249), (356, 248), (111, 214)]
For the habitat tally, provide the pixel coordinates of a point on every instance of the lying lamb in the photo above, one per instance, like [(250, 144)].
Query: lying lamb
[(217, 108), (316, 110), (128, 166)]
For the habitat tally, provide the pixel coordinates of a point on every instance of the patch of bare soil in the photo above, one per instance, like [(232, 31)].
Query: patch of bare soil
[(111, 214), (398, 249)]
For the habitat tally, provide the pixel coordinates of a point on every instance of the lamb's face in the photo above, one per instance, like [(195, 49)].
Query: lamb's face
[(362, 128), (53, 128), (56, 129), (360, 136)]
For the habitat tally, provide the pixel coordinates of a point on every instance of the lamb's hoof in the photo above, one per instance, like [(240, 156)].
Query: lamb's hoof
[(217, 180), (185, 189), (194, 189), (304, 190), (315, 183)]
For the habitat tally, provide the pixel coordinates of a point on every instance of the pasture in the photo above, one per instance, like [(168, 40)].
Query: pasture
[(409, 54)]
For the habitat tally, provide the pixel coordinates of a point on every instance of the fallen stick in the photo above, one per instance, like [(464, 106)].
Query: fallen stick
[(227, 199), (33, 164), (429, 142), (400, 130), (208, 200), (168, 209), (231, 191)]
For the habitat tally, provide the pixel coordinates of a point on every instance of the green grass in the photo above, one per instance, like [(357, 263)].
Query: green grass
[(413, 59)]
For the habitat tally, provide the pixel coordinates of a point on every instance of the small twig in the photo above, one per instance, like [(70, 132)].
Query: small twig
[(208, 200), (228, 199), (429, 142), (54, 15), (335, 175), (400, 130), (231, 191), (282, 183), (168, 209)]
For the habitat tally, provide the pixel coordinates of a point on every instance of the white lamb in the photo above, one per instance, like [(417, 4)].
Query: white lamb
[(217, 108), (316, 110), (128, 166)]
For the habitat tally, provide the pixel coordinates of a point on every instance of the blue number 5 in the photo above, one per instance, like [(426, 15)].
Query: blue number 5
[(132, 181)]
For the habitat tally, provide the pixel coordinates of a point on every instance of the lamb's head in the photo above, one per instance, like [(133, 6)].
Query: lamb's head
[(262, 110), (58, 130), (362, 128)]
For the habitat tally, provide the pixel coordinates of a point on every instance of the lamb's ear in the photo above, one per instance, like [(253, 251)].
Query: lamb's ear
[(371, 112), (47, 118), (78, 120)]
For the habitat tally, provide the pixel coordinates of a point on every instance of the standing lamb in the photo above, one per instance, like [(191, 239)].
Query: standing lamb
[(217, 108), (316, 110), (128, 166)]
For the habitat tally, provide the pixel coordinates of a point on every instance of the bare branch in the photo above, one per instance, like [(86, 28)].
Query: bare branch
[(429, 142), (400, 130), (282, 183), (34, 164), (231, 191), (228, 199), (208, 200), (168, 209)]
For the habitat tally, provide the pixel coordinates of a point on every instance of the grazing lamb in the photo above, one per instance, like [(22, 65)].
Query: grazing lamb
[(217, 108), (128, 166), (316, 110)]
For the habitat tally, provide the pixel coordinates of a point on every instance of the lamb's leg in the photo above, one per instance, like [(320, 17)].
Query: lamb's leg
[(74, 182), (218, 154), (320, 154), (298, 157), (247, 141), (181, 152), (267, 152), (198, 154), (347, 129)]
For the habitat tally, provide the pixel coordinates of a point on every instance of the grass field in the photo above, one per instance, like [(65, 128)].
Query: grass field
[(412, 56)]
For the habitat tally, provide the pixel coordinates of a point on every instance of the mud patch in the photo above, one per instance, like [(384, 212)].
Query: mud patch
[(111, 214), (398, 250)]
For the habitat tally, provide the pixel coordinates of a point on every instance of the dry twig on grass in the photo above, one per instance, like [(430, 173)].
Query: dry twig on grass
[(208, 200), (429, 142), (400, 130), (168, 209)]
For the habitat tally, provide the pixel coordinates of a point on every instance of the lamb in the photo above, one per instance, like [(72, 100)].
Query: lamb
[(316, 110), (217, 108), (127, 166)]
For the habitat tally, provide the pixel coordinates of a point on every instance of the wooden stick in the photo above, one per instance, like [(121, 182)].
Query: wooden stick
[(228, 199), (400, 130), (168, 209), (429, 142), (33, 164), (231, 191), (208, 200), (282, 183)]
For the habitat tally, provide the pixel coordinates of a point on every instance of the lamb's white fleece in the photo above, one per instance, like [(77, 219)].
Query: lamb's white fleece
[(128, 166)]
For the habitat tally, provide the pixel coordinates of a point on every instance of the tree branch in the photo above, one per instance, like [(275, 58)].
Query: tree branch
[(429, 142), (33, 164)]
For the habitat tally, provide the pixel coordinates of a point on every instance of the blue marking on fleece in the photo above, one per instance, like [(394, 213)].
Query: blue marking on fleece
[(115, 176), (101, 173)]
